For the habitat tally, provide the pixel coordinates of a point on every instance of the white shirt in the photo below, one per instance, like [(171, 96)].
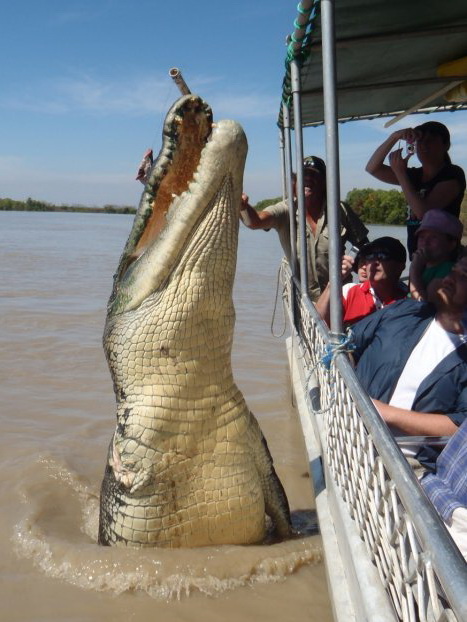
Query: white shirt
[(434, 345)]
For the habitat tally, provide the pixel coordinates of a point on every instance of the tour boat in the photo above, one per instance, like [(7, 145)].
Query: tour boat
[(388, 554)]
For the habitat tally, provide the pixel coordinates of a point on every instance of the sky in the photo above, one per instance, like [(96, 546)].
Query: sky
[(85, 89)]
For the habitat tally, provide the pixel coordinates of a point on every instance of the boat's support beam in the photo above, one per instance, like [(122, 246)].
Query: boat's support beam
[(297, 116), (289, 195), (332, 162)]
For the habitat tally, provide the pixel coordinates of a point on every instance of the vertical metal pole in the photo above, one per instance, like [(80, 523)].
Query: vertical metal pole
[(282, 157), (332, 159), (289, 190), (297, 113)]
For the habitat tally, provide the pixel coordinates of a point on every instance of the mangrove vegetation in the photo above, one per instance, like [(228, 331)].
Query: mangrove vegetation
[(374, 206)]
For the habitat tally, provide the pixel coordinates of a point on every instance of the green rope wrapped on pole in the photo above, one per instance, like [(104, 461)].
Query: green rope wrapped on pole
[(298, 45)]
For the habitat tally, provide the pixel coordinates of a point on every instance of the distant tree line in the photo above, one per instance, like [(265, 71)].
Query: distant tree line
[(388, 207), (373, 206), (385, 207), (33, 205)]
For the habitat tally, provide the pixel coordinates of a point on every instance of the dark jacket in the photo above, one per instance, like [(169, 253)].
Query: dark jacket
[(384, 342)]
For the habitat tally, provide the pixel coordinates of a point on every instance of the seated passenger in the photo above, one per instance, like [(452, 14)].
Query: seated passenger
[(277, 217), (412, 360), (447, 487), (384, 260), (438, 241), (359, 266)]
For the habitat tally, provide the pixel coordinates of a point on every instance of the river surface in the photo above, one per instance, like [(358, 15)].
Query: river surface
[(57, 418)]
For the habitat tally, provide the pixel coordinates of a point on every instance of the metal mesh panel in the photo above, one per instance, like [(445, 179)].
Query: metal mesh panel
[(385, 522)]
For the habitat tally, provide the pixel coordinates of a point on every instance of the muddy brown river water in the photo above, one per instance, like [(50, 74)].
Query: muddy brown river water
[(57, 416)]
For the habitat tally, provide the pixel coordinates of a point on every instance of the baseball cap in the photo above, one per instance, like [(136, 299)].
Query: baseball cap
[(442, 221), (386, 247), (315, 163)]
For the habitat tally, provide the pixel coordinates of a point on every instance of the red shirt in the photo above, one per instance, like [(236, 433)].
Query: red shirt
[(361, 301)]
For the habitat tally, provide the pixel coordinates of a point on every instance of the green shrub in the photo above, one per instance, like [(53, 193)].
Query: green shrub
[(378, 206)]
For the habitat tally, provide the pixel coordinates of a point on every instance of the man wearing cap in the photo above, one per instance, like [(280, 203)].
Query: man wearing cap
[(384, 261), (438, 242), (317, 236), (411, 358)]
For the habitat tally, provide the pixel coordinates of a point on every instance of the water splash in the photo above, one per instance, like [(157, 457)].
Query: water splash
[(59, 533)]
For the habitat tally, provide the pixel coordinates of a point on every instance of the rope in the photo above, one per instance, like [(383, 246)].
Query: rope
[(331, 350), (326, 359), (279, 274), (302, 53), (302, 11)]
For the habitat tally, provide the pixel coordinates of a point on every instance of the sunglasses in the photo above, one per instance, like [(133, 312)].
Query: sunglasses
[(377, 256)]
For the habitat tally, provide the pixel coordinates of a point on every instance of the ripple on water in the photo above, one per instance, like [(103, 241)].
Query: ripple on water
[(59, 532)]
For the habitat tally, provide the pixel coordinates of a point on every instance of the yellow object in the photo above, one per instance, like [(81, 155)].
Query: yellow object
[(458, 93), (453, 68)]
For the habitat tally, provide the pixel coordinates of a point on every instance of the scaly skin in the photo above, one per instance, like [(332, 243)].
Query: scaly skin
[(187, 464)]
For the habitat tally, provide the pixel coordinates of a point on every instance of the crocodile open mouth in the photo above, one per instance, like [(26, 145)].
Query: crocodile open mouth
[(197, 167), (186, 131)]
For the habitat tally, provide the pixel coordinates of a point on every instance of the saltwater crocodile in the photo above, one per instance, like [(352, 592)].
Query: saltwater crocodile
[(187, 464)]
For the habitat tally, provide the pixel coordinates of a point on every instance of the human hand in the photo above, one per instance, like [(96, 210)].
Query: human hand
[(347, 265), (408, 134), (245, 201), (419, 260), (397, 162)]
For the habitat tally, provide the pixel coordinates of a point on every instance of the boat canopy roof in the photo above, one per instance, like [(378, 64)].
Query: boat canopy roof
[(393, 56)]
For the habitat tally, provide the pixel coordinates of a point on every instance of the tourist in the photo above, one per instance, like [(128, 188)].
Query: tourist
[(436, 184), (384, 261), (411, 358), (446, 487), (358, 265), (317, 234), (438, 243)]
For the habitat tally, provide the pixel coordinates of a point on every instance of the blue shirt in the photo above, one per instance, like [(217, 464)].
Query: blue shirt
[(447, 487), (384, 341)]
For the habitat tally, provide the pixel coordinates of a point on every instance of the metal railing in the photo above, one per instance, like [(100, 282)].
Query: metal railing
[(419, 565)]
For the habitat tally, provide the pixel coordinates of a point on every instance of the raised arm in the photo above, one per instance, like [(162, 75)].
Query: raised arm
[(440, 196), (376, 165), (254, 219)]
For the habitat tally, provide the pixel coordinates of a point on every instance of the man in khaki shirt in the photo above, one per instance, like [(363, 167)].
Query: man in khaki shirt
[(317, 234)]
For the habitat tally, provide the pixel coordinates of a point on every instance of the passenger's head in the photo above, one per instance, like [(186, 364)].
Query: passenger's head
[(451, 292), (384, 259), (433, 138), (362, 271), (439, 235), (314, 177), (360, 268)]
